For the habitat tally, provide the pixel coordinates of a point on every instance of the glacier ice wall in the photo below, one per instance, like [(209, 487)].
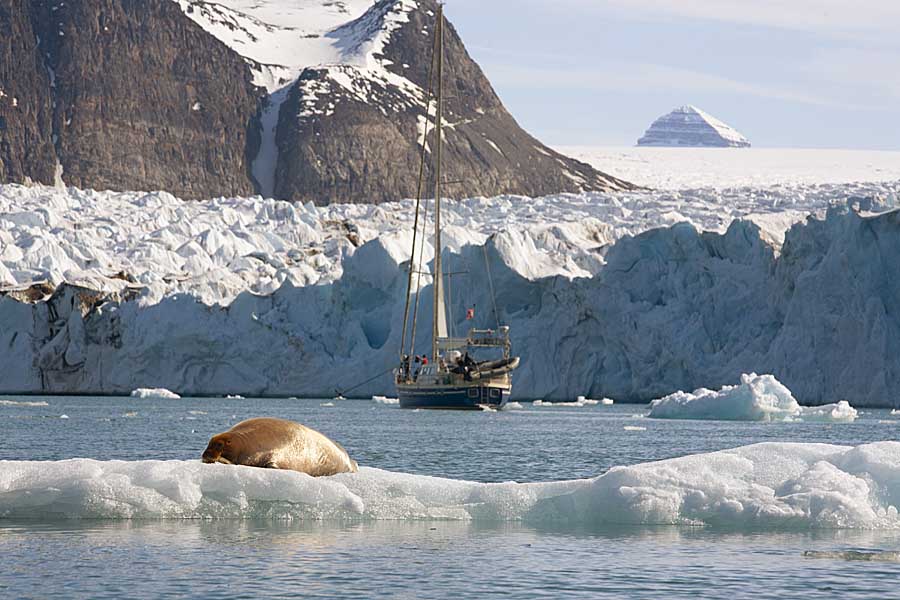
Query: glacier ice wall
[(669, 309)]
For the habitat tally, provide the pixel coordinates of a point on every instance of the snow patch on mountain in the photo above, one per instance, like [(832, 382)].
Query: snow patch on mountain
[(287, 36), (332, 47)]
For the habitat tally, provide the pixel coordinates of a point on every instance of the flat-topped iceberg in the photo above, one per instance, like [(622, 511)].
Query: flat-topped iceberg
[(772, 485), (757, 398), (154, 393)]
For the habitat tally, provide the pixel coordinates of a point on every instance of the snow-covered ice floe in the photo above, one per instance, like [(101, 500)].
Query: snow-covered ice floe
[(386, 401), (579, 402), (757, 398), (22, 403), (154, 393), (770, 485)]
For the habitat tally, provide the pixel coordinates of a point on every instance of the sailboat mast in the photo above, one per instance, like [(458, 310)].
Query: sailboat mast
[(438, 129)]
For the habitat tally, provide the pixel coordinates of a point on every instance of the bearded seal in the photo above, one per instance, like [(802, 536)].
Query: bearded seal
[(279, 444)]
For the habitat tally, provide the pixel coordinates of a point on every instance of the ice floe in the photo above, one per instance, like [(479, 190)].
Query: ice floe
[(386, 401), (580, 402), (154, 393), (770, 485), (756, 398), (22, 403)]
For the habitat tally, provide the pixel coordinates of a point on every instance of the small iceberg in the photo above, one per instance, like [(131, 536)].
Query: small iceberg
[(22, 403), (756, 398), (154, 393), (580, 402), (385, 400)]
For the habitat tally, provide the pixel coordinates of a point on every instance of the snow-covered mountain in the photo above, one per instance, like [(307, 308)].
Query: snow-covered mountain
[(312, 100), (690, 126)]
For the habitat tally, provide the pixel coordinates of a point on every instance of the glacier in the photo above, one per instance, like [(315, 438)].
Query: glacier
[(756, 398), (762, 486), (630, 296)]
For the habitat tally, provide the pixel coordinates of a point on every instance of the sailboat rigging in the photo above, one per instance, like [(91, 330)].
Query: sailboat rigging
[(454, 378)]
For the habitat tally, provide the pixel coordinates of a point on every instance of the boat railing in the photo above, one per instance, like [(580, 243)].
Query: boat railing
[(488, 337)]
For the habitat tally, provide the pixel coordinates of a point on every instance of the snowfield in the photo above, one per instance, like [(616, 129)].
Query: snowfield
[(630, 296), (763, 486), (725, 168)]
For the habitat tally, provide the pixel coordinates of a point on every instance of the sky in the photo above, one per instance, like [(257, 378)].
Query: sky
[(785, 73)]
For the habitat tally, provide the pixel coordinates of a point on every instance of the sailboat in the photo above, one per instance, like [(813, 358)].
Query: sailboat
[(457, 375)]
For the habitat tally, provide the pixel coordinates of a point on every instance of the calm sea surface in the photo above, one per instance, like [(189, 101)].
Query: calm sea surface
[(435, 559)]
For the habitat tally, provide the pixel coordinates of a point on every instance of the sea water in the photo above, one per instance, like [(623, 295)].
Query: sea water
[(272, 556)]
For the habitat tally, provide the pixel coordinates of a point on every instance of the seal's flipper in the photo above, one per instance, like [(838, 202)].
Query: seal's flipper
[(268, 462)]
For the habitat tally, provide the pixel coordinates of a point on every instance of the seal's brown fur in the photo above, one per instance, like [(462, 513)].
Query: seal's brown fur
[(279, 444)]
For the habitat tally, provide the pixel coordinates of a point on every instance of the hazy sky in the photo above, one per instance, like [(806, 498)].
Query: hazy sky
[(792, 73)]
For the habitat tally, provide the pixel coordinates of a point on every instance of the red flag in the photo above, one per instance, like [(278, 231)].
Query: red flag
[(470, 314)]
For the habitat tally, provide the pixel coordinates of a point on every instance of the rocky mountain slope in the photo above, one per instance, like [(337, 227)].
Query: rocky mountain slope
[(115, 94), (690, 126), (311, 100)]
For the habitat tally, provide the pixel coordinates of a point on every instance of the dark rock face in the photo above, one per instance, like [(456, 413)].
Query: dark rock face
[(335, 147), (134, 95), (141, 97), (26, 145)]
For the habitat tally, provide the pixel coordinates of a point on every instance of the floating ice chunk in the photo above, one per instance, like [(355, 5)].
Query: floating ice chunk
[(385, 400), (756, 398), (772, 485), (634, 428), (63, 416), (327, 404), (22, 403), (841, 412), (512, 406), (581, 402), (234, 397), (607, 401), (154, 393)]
